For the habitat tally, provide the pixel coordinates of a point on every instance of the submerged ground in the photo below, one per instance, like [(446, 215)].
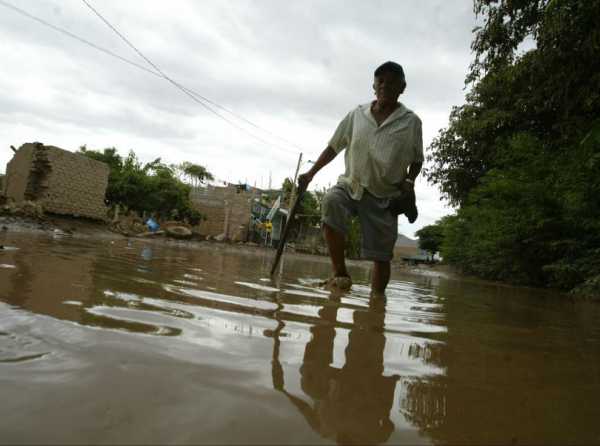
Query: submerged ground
[(107, 340)]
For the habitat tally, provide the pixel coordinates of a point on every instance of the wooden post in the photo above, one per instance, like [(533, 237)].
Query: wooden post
[(293, 194), (226, 223), (292, 199)]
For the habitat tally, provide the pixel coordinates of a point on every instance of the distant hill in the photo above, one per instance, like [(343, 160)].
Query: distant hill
[(404, 241)]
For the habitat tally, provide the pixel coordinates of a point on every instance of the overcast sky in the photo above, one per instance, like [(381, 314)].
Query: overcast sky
[(292, 68)]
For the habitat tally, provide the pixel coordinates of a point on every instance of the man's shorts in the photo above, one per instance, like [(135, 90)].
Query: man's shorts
[(378, 225)]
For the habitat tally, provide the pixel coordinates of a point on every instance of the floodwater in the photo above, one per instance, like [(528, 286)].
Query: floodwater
[(143, 342)]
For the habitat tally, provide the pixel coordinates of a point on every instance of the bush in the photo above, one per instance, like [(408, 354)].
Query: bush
[(152, 187)]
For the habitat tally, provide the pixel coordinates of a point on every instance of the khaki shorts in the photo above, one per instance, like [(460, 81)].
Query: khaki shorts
[(379, 226)]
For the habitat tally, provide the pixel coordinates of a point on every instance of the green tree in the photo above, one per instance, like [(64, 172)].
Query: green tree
[(194, 174), (520, 158), (353, 239), (431, 238), (286, 188), (309, 211), (197, 173), (310, 204), (152, 187)]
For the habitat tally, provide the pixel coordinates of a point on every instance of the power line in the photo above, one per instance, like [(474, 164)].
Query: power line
[(193, 95), (73, 36), (176, 84)]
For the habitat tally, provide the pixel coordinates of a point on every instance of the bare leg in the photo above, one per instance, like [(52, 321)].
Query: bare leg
[(335, 243), (380, 277)]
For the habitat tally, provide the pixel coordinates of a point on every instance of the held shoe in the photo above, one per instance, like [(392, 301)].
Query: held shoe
[(405, 204), (411, 211)]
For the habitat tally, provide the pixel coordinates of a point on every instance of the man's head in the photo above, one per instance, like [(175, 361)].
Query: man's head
[(389, 82)]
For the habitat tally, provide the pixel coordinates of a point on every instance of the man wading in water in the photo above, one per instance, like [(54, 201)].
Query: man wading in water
[(384, 155)]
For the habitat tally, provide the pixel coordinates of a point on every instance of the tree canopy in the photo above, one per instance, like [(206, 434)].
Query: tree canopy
[(430, 238), (194, 173), (152, 187), (521, 157)]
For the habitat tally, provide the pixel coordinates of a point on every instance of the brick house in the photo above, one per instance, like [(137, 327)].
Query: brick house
[(62, 182), (226, 210)]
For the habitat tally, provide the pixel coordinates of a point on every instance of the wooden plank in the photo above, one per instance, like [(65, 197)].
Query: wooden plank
[(286, 230)]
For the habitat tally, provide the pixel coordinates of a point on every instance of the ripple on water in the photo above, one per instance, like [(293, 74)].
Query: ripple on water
[(218, 298), (148, 322), (304, 290), (22, 358), (184, 282), (17, 348), (257, 286)]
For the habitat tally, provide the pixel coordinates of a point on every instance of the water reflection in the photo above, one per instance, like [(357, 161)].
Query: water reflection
[(521, 367), (350, 404), (440, 361)]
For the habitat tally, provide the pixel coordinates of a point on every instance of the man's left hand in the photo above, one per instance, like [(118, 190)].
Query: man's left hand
[(407, 186)]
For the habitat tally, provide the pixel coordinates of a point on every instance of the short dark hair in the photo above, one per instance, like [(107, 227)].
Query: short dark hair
[(390, 67)]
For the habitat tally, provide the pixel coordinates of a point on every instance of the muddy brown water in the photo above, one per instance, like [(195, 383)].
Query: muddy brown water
[(116, 341)]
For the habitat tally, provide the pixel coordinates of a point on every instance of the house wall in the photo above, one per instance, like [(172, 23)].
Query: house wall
[(17, 173), (226, 211), (405, 251), (76, 185), (214, 223), (61, 181)]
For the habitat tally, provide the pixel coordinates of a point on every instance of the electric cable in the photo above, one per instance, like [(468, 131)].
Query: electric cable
[(185, 90), (74, 36), (176, 84)]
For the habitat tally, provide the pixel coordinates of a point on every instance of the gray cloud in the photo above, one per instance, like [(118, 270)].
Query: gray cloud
[(294, 68)]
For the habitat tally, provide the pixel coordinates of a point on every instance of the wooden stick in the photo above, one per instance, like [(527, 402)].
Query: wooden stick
[(288, 225)]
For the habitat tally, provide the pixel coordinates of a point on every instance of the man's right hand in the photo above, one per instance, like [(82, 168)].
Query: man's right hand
[(304, 180), (324, 158)]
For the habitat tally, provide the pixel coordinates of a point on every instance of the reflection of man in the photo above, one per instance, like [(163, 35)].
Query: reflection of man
[(351, 404), (384, 155)]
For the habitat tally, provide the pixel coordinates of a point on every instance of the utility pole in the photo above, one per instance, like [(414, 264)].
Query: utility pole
[(293, 194)]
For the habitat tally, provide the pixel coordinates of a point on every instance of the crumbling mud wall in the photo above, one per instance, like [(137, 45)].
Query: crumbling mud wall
[(1, 184), (227, 210), (17, 173), (62, 182)]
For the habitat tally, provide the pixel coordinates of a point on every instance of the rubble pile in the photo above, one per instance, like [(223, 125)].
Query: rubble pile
[(25, 208)]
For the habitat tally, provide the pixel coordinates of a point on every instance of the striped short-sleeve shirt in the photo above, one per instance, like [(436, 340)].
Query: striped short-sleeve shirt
[(377, 157)]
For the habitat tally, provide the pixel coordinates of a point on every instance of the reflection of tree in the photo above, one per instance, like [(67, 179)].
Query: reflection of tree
[(351, 404), (510, 374), (424, 404)]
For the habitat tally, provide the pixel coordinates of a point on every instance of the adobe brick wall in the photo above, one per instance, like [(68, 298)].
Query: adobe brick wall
[(61, 181), (220, 203), (17, 173), (76, 185), (215, 218)]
